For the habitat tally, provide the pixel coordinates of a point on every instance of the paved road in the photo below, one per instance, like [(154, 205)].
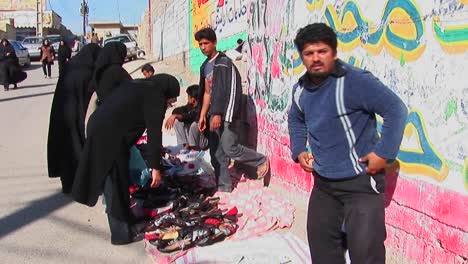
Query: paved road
[(37, 223)]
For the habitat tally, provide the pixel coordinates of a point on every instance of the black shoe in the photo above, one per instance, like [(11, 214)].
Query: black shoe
[(6, 87), (15, 86)]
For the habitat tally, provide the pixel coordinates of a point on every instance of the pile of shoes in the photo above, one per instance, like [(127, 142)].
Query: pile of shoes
[(193, 221)]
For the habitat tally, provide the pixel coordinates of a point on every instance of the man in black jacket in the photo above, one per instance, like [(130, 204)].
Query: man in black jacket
[(184, 120), (220, 100)]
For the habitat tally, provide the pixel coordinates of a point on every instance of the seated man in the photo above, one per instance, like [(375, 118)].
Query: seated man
[(184, 118)]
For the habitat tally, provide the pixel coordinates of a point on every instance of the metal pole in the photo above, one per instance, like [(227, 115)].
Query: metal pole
[(84, 12), (84, 18)]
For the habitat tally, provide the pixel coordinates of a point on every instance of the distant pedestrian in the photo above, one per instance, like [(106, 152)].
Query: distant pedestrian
[(10, 70), (334, 108), (147, 70), (64, 54), (47, 58), (95, 39)]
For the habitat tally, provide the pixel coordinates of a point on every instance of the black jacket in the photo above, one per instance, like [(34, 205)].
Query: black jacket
[(226, 92), (188, 112)]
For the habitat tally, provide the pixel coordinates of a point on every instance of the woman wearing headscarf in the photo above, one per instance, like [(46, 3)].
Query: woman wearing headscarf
[(66, 126), (47, 58), (109, 72), (10, 70), (112, 130), (64, 54)]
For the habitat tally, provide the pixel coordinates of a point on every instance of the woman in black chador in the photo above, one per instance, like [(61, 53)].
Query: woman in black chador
[(10, 70), (66, 125), (109, 72), (113, 128), (64, 55)]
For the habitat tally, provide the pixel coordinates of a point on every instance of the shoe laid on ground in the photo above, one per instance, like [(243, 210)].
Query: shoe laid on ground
[(263, 169)]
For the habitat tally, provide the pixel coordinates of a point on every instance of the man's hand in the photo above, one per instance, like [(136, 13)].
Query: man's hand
[(202, 123), (305, 160), (215, 122), (374, 163), (156, 174), (170, 122)]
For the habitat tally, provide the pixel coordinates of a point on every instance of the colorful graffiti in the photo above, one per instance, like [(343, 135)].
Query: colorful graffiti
[(397, 48), (417, 154), (313, 5), (465, 173), (227, 17), (400, 31), (453, 39)]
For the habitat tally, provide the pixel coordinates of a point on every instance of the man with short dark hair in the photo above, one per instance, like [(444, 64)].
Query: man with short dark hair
[(220, 100), (334, 107), (147, 70)]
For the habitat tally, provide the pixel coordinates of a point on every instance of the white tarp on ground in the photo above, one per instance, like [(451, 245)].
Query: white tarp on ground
[(272, 248)]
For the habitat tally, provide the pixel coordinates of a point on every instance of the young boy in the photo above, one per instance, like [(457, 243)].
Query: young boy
[(184, 120), (220, 100), (147, 70)]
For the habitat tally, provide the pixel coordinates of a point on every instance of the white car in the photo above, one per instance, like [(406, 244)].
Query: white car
[(33, 44), (128, 41), (21, 52)]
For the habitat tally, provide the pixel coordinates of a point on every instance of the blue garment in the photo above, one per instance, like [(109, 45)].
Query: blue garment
[(338, 119)]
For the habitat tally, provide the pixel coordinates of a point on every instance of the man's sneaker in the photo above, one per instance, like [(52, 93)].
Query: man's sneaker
[(263, 169)]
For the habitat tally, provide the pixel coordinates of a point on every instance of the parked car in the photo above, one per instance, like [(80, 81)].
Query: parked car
[(21, 52), (130, 43), (33, 45)]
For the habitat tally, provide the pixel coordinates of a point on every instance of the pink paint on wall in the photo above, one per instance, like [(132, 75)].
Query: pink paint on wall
[(275, 63), (257, 57)]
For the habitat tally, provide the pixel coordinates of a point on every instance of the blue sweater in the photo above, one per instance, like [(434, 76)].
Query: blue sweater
[(338, 119)]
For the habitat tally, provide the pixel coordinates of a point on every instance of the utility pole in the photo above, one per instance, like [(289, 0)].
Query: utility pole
[(39, 18), (84, 10)]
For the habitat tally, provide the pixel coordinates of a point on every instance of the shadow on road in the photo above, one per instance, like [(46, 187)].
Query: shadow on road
[(33, 86), (32, 67), (24, 96), (35, 211)]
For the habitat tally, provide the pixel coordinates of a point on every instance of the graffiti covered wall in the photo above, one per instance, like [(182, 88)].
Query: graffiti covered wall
[(227, 17), (420, 50), (170, 30)]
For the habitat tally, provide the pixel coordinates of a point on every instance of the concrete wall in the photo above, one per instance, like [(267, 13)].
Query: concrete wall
[(7, 29), (417, 47)]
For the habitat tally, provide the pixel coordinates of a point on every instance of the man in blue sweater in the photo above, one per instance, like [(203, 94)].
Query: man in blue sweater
[(334, 107)]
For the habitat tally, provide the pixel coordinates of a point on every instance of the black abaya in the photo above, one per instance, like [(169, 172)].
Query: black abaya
[(113, 128), (109, 72), (66, 127)]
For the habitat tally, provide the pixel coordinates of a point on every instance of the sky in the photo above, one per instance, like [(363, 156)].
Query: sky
[(130, 11)]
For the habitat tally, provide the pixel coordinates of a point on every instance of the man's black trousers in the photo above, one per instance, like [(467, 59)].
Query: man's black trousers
[(347, 214)]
